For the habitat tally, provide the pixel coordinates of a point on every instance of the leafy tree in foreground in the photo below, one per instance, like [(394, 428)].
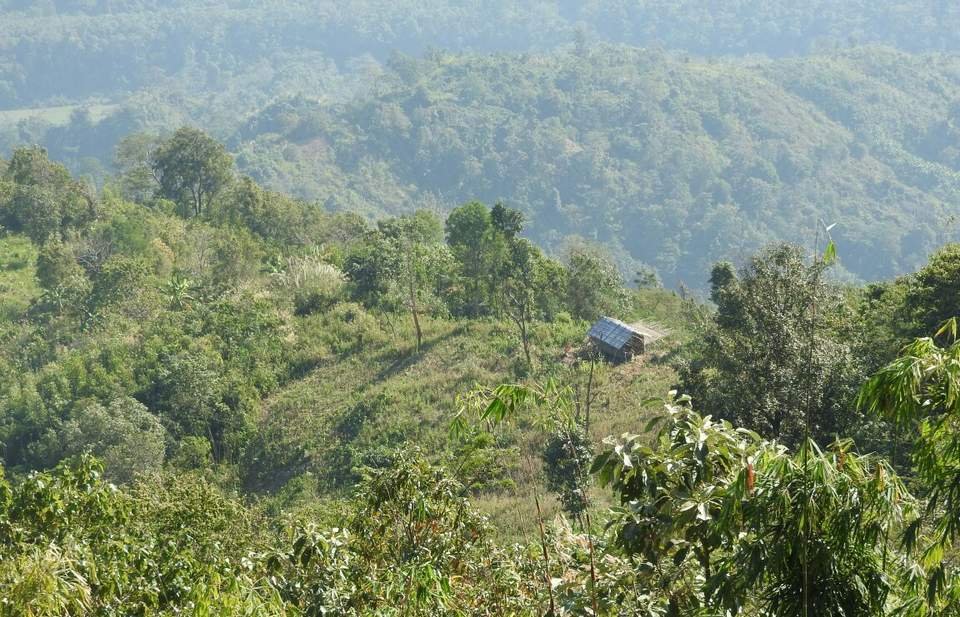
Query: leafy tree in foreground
[(480, 248), (526, 289), (371, 268), (918, 394), (934, 295), (422, 264), (767, 358), (271, 216), (40, 199), (192, 168), (506, 220), (32, 167), (594, 286), (72, 544), (717, 519)]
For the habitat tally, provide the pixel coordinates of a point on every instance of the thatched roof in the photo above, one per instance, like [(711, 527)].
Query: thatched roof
[(649, 334)]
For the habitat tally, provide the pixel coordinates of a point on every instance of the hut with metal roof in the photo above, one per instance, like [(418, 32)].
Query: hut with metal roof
[(617, 340)]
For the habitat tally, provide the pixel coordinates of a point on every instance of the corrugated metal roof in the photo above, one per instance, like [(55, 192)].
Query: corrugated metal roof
[(612, 332)]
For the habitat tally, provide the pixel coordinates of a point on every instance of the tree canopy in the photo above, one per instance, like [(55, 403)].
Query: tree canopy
[(294, 302)]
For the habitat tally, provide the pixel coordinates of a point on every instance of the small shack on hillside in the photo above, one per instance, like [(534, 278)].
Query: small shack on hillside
[(617, 340)]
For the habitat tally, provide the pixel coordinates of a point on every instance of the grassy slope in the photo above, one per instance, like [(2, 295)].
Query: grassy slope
[(674, 162), (18, 283), (306, 419), (55, 115), (353, 364)]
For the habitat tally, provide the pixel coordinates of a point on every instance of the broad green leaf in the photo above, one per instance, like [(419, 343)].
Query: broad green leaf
[(830, 254)]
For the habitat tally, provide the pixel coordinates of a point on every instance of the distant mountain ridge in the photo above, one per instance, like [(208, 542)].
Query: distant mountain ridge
[(671, 162), (676, 143), (76, 49)]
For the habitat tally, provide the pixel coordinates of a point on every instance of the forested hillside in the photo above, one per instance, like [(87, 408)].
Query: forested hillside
[(207, 323), (76, 50), (302, 308), (701, 134), (220, 400), (670, 161), (675, 163)]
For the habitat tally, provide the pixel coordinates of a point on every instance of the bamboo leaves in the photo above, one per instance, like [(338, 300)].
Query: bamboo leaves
[(830, 254), (920, 392), (726, 510)]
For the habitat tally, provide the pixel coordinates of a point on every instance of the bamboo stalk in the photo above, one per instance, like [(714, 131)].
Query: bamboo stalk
[(546, 557)]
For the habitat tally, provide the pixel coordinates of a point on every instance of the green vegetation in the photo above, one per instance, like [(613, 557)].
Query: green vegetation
[(278, 346), (677, 134), (18, 282), (777, 325), (109, 49), (219, 400), (672, 162), (293, 308)]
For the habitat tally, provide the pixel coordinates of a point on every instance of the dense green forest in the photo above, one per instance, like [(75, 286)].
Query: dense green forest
[(220, 400), (75, 50), (294, 303), (680, 145), (672, 162)]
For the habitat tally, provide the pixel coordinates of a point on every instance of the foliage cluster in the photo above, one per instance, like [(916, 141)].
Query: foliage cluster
[(186, 323), (66, 49), (674, 162), (207, 335)]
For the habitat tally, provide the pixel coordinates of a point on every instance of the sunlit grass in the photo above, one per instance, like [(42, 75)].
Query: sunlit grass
[(59, 115), (355, 357), (18, 282)]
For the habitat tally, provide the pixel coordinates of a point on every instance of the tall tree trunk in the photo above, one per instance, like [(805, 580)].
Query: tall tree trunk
[(524, 336), (416, 316), (197, 201), (589, 401)]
